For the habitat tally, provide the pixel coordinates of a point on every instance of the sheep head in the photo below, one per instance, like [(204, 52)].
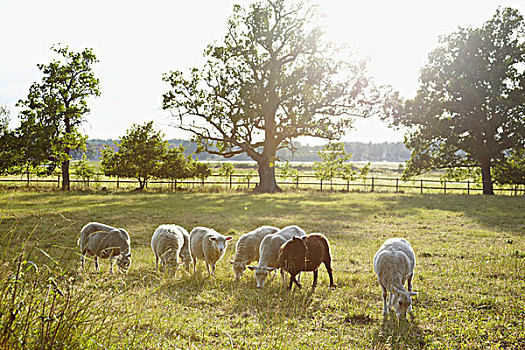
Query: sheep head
[(401, 301)]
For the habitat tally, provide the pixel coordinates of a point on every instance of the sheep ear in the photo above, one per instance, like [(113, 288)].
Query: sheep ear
[(213, 239), (232, 262), (412, 293), (228, 238), (128, 256), (252, 267), (270, 269)]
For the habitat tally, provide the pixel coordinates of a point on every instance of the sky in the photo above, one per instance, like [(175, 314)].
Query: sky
[(136, 42)]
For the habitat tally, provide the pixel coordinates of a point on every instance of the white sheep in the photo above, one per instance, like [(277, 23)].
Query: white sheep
[(247, 248), (269, 252), (169, 242), (103, 241), (208, 245), (394, 264)]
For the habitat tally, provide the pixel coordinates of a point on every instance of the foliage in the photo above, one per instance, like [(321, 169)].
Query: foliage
[(333, 158), (363, 173), (469, 109), (8, 155), (202, 171), (140, 155), (286, 171), (84, 170), (511, 170), (226, 170), (272, 79), (55, 108), (176, 165)]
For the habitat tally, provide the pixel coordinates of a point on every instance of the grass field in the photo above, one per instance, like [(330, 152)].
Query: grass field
[(470, 273)]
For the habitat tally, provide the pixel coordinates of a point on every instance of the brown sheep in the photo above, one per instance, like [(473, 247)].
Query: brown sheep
[(306, 254)]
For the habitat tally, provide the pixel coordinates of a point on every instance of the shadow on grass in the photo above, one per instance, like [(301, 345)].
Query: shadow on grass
[(395, 333)]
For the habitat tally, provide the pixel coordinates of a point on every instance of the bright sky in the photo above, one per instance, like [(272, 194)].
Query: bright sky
[(137, 41)]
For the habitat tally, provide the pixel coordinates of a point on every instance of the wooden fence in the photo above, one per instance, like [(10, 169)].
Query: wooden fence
[(239, 181)]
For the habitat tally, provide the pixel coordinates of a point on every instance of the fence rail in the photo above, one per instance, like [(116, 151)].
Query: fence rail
[(239, 181)]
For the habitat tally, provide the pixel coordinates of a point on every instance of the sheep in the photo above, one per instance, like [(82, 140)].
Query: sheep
[(269, 252), (247, 248), (169, 242), (208, 245), (306, 254), (394, 264), (103, 241)]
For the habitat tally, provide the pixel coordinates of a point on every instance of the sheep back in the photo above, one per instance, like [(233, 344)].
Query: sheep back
[(247, 248), (167, 242)]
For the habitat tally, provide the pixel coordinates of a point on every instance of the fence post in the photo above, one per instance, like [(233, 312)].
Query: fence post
[(347, 185), (321, 184), (397, 185), (58, 181), (444, 187), (421, 186), (297, 182), (230, 181), (372, 190), (118, 181), (468, 186)]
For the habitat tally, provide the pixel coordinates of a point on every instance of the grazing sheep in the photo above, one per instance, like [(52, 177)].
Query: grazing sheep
[(208, 245), (247, 248), (169, 242), (103, 241), (269, 252), (394, 264), (306, 254)]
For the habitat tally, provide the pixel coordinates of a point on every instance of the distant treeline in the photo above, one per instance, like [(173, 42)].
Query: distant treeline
[(360, 151)]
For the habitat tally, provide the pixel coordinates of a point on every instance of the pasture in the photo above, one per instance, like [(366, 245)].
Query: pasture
[(470, 273)]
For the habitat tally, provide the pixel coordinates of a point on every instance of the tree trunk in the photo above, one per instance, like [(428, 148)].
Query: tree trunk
[(486, 177), (267, 183), (65, 176)]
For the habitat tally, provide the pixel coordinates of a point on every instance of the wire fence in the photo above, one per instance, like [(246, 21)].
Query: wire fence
[(300, 182)]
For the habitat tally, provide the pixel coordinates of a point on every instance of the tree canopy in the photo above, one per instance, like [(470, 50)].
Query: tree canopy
[(55, 108), (272, 79), (470, 107)]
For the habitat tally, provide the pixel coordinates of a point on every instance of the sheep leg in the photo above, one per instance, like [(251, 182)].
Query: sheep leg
[(291, 282), (297, 283), (82, 258), (329, 270), (111, 265), (156, 262), (410, 282), (316, 272), (212, 268), (385, 294), (97, 268), (194, 262)]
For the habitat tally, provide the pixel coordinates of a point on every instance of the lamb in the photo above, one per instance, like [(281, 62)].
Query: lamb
[(208, 245), (306, 254), (247, 248), (394, 264), (103, 241), (169, 242), (269, 252)]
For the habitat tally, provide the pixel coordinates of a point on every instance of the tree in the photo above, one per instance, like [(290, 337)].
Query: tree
[(470, 108), (201, 171), (511, 170), (272, 79), (176, 165), (140, 154), (56, 107), (8, 154), (333, 158)]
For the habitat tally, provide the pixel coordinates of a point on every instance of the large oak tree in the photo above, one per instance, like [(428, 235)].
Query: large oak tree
[(272, 79), (470, 108)]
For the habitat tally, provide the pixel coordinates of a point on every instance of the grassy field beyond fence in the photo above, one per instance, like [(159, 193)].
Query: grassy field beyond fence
[(470, 273)]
